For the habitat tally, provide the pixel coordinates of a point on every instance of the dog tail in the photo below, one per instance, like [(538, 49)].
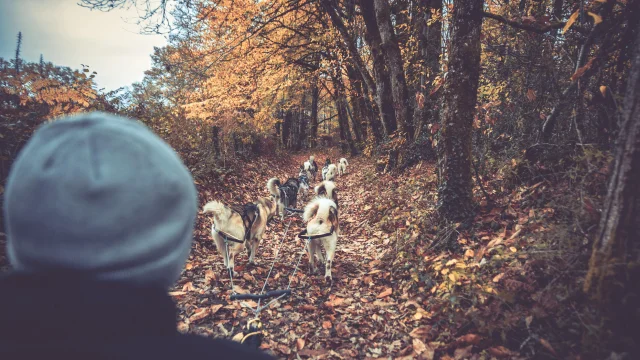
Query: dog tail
[(345, 161), (217, 208), (273, 186)]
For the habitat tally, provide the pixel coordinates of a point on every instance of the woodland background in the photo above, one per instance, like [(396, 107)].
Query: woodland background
[(518, 105)]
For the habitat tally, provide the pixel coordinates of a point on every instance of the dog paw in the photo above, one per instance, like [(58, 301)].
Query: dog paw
[(328, 279)]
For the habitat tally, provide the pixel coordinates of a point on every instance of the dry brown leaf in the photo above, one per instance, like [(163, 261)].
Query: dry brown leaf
[(326, 324), (183, 327), (571, 20), (308, 308), (462, 353), (499, 351), (188, 287), (548, 346), (215, 308), (597, 19), (177, 293), (385, 293), (420, 332), (209, 275), (418, 346), (498, 277), (472, 339), (199, 314), (578, 74), (238, 337), (531, 95), (299, 343)]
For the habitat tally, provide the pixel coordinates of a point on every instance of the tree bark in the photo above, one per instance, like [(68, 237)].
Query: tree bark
[(393, 57), (383, 95), (340, 100), (315, 95), (286, 128), (614, 270), (215, 139), (460, 90), (355, 97), (429, 48)]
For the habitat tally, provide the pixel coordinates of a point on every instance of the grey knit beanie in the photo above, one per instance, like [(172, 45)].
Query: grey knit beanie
[(103, 196)]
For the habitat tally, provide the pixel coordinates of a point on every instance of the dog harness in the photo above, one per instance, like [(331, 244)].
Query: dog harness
[(245, 211)]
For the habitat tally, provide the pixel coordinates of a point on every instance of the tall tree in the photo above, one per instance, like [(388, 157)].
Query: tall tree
[(384, 96), (614, 271), (394, 62), (460, 89)]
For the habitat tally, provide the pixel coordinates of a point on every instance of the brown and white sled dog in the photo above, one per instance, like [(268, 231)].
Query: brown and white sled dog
[(332, 171), (286, 196), (313, 167), (321, 216), (327, 189), (342, 166), (244, 223)]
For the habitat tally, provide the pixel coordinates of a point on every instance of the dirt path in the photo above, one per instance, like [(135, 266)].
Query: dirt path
[(352, 317)]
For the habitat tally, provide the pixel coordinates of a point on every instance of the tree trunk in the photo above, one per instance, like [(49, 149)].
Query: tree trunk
[(286, 128), (315, 95), (429, 48), (393, 57), (340, 99), (355, 95), (215, 139), (614, 271), (384, 96), (460, 90)]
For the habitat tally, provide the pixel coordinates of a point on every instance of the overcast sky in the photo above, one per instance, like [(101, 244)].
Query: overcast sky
[(70, 35)]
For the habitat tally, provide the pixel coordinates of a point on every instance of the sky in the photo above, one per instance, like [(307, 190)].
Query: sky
[(69, 35)]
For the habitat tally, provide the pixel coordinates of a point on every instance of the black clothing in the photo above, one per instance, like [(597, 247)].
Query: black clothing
[(64, 316)]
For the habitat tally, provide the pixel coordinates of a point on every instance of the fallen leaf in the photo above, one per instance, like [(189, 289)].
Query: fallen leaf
[(209, 275), (498, 277), (326, 324), (578, 74), (199, 314), (418, 346), (472, 339), (188, 287), (215, 308), (571, 20), (499, 351), (308, 308), (420, 332), (299, 343), (183, 327), (597, 19), (531, 95), (238, 337), (177, 293), (462, 353), (385, 293), (548, 346)]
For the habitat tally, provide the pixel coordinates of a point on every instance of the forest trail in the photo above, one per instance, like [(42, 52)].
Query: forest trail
[(358, 315)]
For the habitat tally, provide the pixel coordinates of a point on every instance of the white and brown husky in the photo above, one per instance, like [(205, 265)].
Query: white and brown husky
[(321, 216), (342, 166), (237, 226), (286, 196), (311, 167)]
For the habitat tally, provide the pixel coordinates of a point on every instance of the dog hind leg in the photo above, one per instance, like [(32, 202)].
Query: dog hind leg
[(330, 248)]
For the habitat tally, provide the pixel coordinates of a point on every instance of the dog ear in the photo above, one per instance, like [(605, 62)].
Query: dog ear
[(311, 210)]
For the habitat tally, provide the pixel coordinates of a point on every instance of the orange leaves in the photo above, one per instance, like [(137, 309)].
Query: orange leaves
[(531, 95), (572, 19), (385, 293), (578, 74)]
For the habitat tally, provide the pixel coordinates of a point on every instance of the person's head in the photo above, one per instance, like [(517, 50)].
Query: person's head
[(100, 196)]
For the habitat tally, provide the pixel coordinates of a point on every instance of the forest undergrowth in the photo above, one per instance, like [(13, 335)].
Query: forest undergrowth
[(406, 285)]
